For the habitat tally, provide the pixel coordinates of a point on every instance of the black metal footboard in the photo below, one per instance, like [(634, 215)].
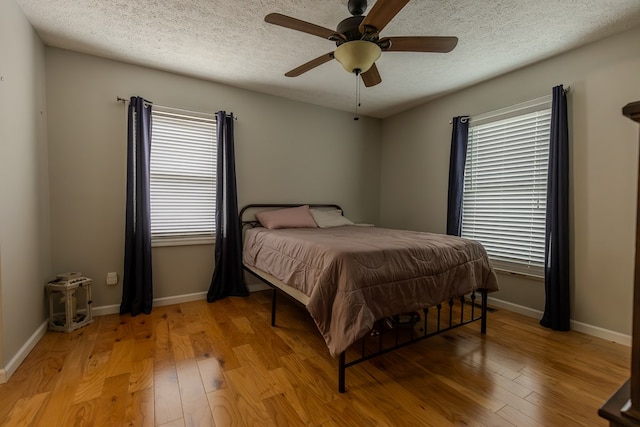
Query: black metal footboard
[(388, 335)]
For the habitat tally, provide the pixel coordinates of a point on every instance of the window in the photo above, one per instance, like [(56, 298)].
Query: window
[(183, 177), (505, 186)]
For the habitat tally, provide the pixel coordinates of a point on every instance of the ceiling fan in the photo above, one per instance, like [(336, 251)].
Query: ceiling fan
[(357, 39)]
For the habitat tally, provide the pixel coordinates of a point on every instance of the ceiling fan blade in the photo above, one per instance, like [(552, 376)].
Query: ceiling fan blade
[(298, 25), (310, 65), (421, 44), (371, 77), (381, 13)]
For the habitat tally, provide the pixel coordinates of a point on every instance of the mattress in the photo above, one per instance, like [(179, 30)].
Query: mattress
[(352, 276)]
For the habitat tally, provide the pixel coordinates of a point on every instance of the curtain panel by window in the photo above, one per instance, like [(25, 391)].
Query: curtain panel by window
[(137, 286), (557, 308), (227, 277), (457, 159)]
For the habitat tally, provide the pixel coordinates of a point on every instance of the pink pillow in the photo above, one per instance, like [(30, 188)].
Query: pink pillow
[(299, 217)]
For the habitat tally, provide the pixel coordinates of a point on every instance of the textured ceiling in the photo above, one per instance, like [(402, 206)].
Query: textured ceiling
[(229, 42)]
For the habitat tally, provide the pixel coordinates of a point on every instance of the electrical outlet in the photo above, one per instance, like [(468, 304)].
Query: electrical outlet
[(112, 279)]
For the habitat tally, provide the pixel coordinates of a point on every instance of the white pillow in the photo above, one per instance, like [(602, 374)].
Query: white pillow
[(329, 218)]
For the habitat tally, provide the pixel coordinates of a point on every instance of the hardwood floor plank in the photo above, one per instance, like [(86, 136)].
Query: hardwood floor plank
[(112, 405), (25, 410), (224, 408), (176, 423), (141, 375), (211, 374), (201, 344), (139, 408), (309, 409), (106, 334), (573, 412), (67, 378), (248, 401), (182, 348), (325, 389), (89, 389), (163, 350), (168, 406), (120, 361), (195, 406), (243, 325), (223, 364), (262, 383), (82, 414), (517, 418), (409, 402), (281, 411)]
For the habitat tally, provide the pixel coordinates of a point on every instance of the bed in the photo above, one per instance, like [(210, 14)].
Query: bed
[(362, 283)]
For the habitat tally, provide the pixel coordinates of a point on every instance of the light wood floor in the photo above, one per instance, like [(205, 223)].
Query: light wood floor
[(199, 364)]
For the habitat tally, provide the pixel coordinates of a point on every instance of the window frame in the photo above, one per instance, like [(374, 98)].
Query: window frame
[(533, 265), (202, 119)]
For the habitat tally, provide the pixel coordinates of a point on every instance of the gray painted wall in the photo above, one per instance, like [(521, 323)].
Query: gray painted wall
[(285, 152), (604, 155), (24, 211)]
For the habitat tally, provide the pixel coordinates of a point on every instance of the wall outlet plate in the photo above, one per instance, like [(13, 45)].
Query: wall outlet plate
[(112, 278)]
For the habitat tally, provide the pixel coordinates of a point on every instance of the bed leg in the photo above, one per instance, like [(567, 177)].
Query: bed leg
[(483, 322), (341, 373), (273, 307)]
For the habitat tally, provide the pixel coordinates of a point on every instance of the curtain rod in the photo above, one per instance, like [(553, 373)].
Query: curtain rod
[(514, 107), (124, 101)]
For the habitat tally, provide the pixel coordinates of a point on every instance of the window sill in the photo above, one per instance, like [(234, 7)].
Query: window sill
[(183, 241), (519, 274)]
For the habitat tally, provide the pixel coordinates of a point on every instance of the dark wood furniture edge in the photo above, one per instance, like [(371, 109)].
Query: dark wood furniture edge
[(623, 407)]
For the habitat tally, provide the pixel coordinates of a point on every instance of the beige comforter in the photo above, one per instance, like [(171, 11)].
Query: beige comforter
[(356, 275)]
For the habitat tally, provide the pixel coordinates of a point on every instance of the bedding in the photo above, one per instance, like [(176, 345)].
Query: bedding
[(329, 218), (297, 217), (354, 275)]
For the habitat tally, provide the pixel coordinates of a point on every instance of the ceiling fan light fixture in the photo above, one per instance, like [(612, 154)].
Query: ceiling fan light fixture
[(357, 56)]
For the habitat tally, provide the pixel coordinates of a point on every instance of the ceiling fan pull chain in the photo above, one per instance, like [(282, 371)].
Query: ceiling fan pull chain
[(357, 95), (359, 86)]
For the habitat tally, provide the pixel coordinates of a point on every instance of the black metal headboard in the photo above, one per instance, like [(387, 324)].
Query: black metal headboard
[(253, 222)]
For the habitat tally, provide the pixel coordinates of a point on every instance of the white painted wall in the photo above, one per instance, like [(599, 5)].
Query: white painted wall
[(604, 155), (285, 152), (24, 207)]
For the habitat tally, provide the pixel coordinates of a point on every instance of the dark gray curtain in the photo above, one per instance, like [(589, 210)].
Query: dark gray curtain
[(556, 311), (457, 158), (227, 277), (137, 287)]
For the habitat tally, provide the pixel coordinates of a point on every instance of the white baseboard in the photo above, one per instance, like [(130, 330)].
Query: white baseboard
[(158, 302), (105, 309), (22, 354), (599, 332), (520, 309), (178, 299), (585, 328)]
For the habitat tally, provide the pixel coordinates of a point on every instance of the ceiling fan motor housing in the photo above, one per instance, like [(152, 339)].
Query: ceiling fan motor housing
[(350, 27)]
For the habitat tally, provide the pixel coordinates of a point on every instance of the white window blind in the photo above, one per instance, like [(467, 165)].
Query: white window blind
[(505, 186), (183, 175)]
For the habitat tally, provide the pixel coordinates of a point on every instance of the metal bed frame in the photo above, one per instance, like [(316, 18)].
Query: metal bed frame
[(379, 341)]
